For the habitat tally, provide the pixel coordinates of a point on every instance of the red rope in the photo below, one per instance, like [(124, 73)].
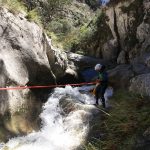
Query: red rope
[(44, 86)]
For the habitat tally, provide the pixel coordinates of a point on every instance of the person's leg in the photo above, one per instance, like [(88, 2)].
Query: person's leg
[(102, 92), (97, 93), (103, 101)]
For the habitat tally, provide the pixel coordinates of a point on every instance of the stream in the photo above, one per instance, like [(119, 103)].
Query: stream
[(61, 129)]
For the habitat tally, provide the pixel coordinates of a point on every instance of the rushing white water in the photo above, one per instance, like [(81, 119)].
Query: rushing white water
[(58, 131)]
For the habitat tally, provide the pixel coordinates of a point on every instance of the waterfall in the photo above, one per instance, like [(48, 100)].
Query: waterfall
[(59, 131)]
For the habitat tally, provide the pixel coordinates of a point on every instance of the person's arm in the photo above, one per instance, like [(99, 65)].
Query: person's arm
[(99, 79)]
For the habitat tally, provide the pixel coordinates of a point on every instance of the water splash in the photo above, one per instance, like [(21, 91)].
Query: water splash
[(57, 132)]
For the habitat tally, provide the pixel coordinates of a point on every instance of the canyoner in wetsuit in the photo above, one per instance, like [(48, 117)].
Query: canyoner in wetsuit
[(102, 83)]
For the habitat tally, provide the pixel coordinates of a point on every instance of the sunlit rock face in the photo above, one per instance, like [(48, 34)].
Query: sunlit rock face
[(122, 33), (129, 24), (23, 61), (23, 58), (26, 58), (124, 19)]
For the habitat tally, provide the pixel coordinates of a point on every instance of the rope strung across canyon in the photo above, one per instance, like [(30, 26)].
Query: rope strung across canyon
[(44, 86), (50, 86)]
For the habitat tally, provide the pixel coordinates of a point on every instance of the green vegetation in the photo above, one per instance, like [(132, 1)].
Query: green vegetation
[(14, 6), (69, 24), (79, 38), (125, 127), (33, 16), (48, 10), (88, 37)]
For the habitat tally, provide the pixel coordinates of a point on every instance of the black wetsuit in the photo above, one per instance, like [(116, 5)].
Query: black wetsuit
[(100, 89)]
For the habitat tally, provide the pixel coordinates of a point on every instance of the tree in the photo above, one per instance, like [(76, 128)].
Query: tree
[(48, 9), (53, 8)]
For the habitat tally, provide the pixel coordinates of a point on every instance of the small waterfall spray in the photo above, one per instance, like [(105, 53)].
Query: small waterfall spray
[(58, 131)]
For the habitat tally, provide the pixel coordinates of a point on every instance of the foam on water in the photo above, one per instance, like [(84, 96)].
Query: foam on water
[(57, 131)]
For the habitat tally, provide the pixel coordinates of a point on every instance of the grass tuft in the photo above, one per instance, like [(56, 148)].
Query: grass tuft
[(128, 121), (34, 16)]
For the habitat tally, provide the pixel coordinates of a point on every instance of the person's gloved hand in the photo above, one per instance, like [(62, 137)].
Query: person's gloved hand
[(97, 81), (97, 84)]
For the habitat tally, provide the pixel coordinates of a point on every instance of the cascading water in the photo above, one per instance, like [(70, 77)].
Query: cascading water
[(58, 131)]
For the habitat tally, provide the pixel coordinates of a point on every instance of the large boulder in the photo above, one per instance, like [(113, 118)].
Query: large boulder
[(143, 30), (121, 57), (143, 35), (109, 51), (83, 62), (142, 59), (57, 60), (27, 58), (141, 84), (120, 76), (139, 68), (147, 61), (141, 63)]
